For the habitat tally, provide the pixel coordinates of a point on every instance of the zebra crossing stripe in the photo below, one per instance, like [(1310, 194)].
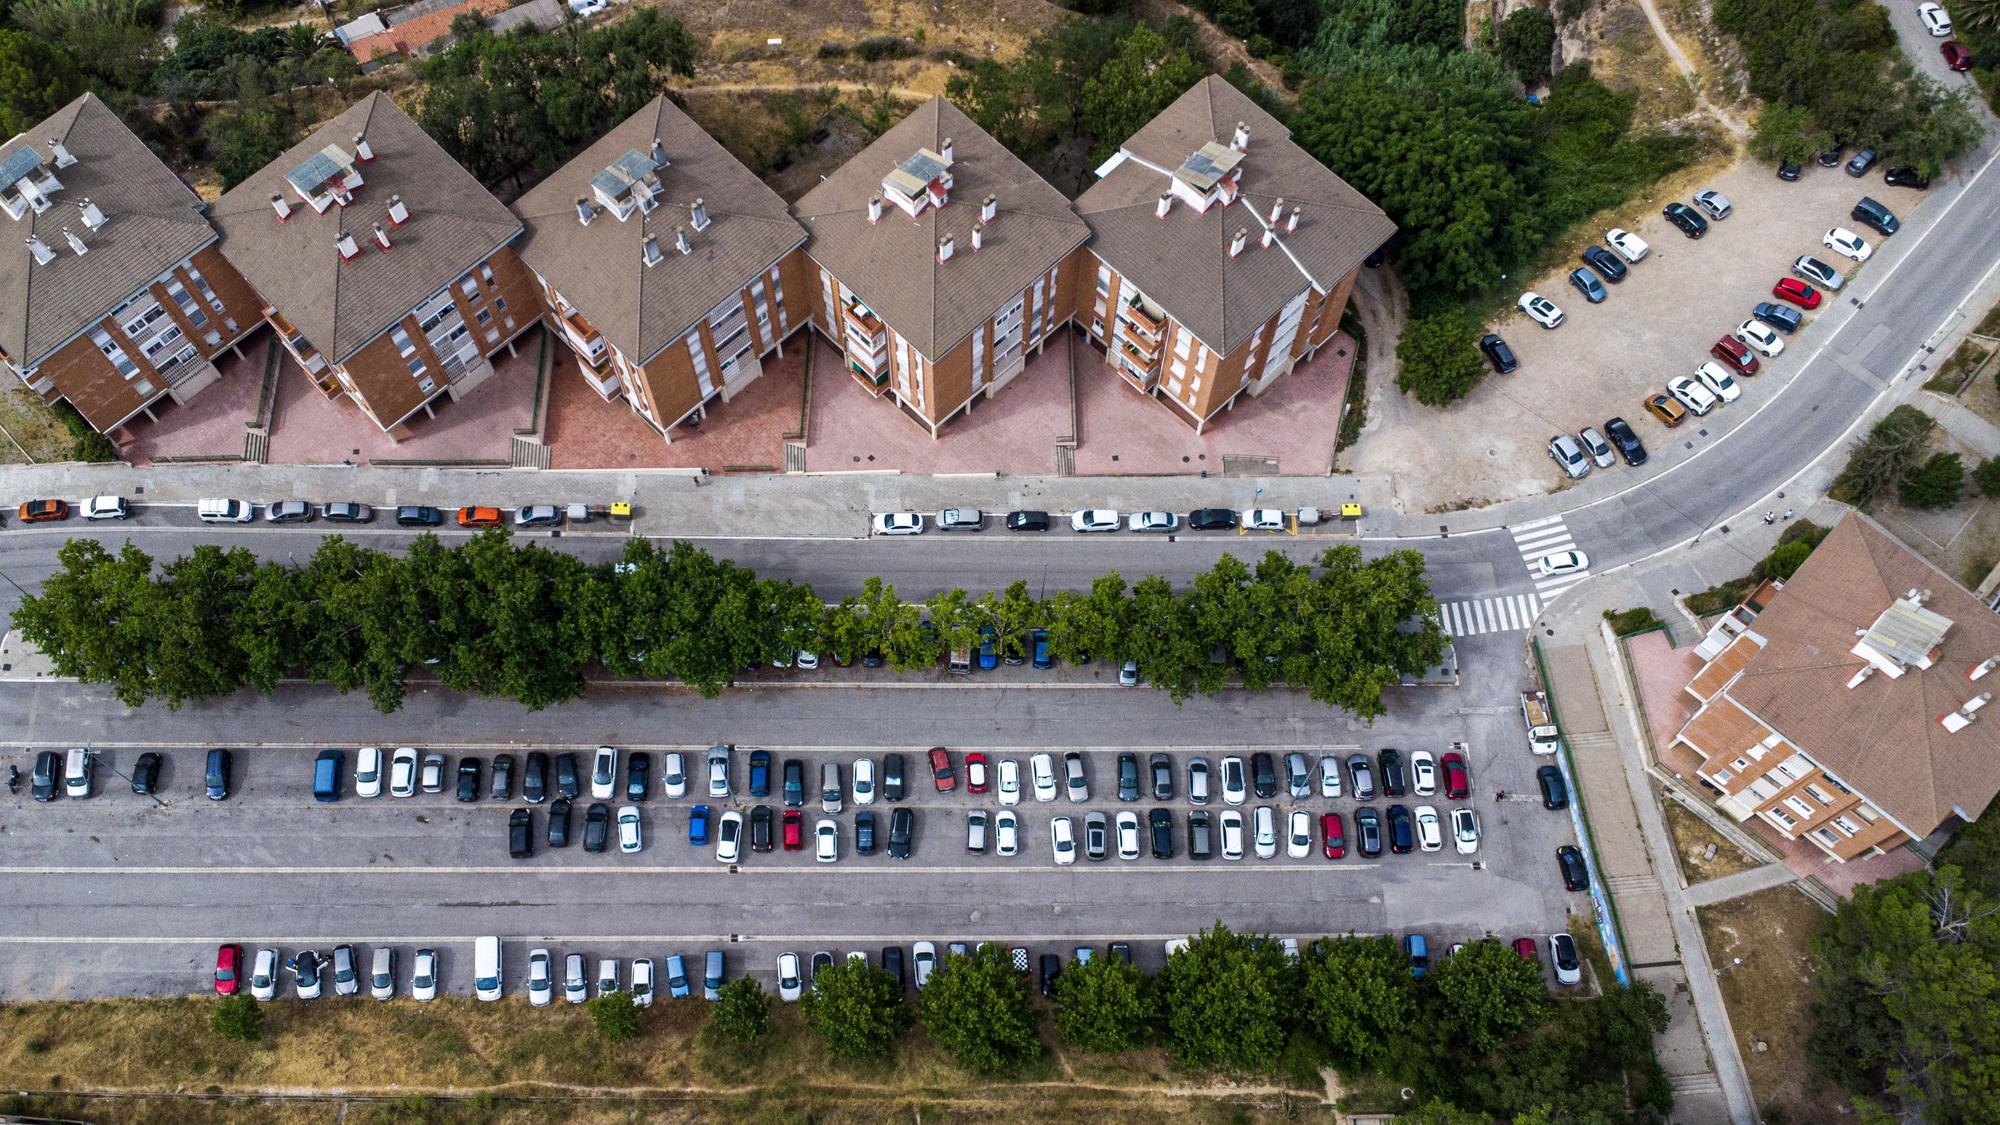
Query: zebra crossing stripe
[(1488, 615)]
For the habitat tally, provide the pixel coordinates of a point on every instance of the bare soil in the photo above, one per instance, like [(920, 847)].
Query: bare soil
[(1692, 837), (1769, 994)]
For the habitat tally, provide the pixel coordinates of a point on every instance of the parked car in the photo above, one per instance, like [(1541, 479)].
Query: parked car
[(1934, 19), (1457, 781), (1215, 519), (1789, 172), (1736, 354), (228, 967), (1402, 838), (1605, 264), (535, 777), (1784, 318), (475, 516), (1465, 830), (105, 508), (1201, 836), (1430, 829), (1555, 791), (1162, 768), (502, 775), (1905, 176), (631, 838), (1362, 775), (1152, 521), (1423, 773), (1078, 783), (346, 511), (1062, 840), (1860, 162), (146, 773), (1261, 519), (1263, 775), (418, 515), (1569, 456), (1027, 521), (1686, 219), (307, 971), (1419, 952), (961, 519), (1666, 409), (1629, 446), (1562, 954), (1540, 309), (264, 975), (899, 523), (1497, 353), (1575, 875), (1957, 56), (1094, 519), (638, 775), (1713, 202), (1760, 337), (1096, 836), (1819, 273), (43, 511), (1875, 217), (1299, 834), (521, 833), (1395, 781), (698, 826), (941, 771), (1335, 838), (468, 779), (1231, 825), (596, 827), (1630, 245), (1368, 832), (1797, 292), (1594, 444), (1719, 382), (1586, 283), (1847, 244)]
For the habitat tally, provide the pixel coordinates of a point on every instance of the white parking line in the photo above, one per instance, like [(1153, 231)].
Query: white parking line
[(611, 867)]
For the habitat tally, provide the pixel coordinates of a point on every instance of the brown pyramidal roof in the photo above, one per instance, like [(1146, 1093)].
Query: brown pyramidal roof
[(1182, 261), (892, 264)]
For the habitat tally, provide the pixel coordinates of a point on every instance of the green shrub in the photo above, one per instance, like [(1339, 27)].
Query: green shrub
[(1987, 477), (239, 1018), (1938, 483), (1527, 43), (875, 48), (1883, 456), (832, 49), (617, 1018), (1625, 622), (1785, 560), (1439, 357), (86, 443)]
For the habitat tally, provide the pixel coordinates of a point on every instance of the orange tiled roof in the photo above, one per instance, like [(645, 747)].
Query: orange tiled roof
[(406, 38)]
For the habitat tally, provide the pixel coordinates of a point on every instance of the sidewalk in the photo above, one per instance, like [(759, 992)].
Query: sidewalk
[(1740, 884)]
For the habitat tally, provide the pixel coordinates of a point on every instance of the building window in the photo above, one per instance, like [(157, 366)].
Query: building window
[(1825, 837), (1866, 813), (1846, 825), (500, 303), (483, 315), (416, 364), (401, 339), (469, 287), (486, 272), (1741, 764), (1799, 806), (1722, 777), (1783, 817), (1820, 795)]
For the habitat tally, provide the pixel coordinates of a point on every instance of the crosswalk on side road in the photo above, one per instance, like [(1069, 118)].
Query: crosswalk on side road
[(1539, 538), (1507, 612)]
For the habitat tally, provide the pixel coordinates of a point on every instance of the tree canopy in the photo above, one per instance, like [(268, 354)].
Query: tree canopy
[(1103, 1005), (35, 81), (856, 1009), (1227, 999), (978, 1008)]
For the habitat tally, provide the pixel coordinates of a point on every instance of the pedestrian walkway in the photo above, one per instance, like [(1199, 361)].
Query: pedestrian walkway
[(1542, 537), (1507, 613), (1740, 884), (1961, 422)]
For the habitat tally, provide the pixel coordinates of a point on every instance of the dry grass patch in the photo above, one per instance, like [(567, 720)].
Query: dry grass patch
[(1769, 995), (1692, 840), (32, 430)]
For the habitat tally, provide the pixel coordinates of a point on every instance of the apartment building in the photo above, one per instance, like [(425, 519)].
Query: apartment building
[(1843, 707), (385, 267), (666, 265), (1221, 254), (941, 263), (113, 295)]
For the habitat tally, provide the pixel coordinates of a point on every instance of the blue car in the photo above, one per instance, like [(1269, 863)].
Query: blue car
[(1043, 660), (698, 825), (989, 656), (1586, 283), (677, 977), (760, 773), (1784, 318), (1420, 954)]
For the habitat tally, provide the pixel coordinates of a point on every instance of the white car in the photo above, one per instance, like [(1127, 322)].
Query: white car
[(718, 774), (728, 837), (1630, 246), (864, 781), (642, 981), (1430, 831), (1562, 954), (807, 661), (1691, 394), (975, 775), (541, 981), (1009, 785), (1062, 840), (368, 772), (1761, 337), (1152, 521), (1261, 519), (826, 841), (1043, 767), (1423, 773), (899, 523), (604, 773), (105, 508), (1562, 562), (1465, 830), (1128, 834), (1299, 841), (1847, 244), (1234, 788), (1329, 776), (1934, 20), (1264, 831), (1094, 519), (576, 986), (1006, 834), (403, 772), (791, 984), (1819, 273), (1540, 309), (923, 960), (1231, 823), (309, 970), (1719, 381), (264, 975), (424, 976), (631, 838), (673, 775)]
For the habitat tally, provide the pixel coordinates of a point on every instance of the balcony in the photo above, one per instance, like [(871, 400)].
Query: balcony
[(1135, 314), (860, 318), (1144, 362), (584, 337)]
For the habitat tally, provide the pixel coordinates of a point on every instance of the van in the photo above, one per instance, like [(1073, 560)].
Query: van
[(960, 663), (486, 968), (829, 787), (76, 774), (326, 775), (216, 509), (1872, 214)]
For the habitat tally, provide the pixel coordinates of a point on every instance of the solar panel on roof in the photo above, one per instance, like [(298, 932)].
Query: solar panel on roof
[(315, 171), (925, 165), (18, 164), (610, 183), (634, 165)]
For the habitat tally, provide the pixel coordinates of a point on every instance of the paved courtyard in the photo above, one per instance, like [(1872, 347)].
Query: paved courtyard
[(213, 424), (586, 432), (310, 429)]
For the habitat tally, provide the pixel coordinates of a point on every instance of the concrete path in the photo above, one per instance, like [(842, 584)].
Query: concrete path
[(1687, 69), (1960, 422), (1740, 884)]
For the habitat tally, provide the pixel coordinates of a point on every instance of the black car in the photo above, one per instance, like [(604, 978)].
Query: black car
[(1122, 950), (1395, 780), (1498, 353), (1871, 214), (521, 833), (1368, 832), (892, 777), (638, 775), (1784, 318), (892, 963), (760, 773), (902, 823), (1163, 778), (1569, 859), (1628, 443), (1788, 172), (1162, 823), (1860, 162), (596, 826), (418, 515), (821, 962), (1201, 836), (1686, 218), (1402, 832), (502, 788), (1905, 177), (559, 823), (1051, 969), (1263, 775), (1555, 791), (468, 778), (1128, 776), (864, 833), (760, 829), (1027, 521), (48, 768), (795, 783), (1607, 264), (535, 778), (1096, 836), (215, 775), (146, 773), (1832, 157), (1212, 519), (566, 785)]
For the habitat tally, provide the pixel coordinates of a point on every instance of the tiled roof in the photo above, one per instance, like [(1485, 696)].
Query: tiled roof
[(153, 221), (600, 268), (454, 225), (1182, 261), (1881, 736), (412, 35), (893, 264)]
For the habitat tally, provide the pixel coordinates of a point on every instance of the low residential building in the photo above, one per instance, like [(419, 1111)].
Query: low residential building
[(1222, 253), (113, 295), (942, 263), (667, 266), (1844, 707), (387, 270), (411, 31)]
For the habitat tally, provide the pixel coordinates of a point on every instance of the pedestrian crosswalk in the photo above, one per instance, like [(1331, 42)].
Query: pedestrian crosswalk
[(1511, 612), (1538, 538)]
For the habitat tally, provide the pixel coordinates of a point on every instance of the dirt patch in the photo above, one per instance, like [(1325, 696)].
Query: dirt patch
[(1761, 945), (32, 432), (1625, 55), (1692, 840)]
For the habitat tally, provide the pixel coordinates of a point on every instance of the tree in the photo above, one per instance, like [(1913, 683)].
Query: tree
[(1785, 560), (94, 617), (1103, 1005), (1368, 624), (1490, 994), (1980, 13), (1225, 1000), (741, 1015), (1528, 42), (1358, 997), (1787, 134), (1935, 126), (616, 1017), (35, 80), (1131, 89), (1083, 626), (1937, 483), (1428, 23), (1439, 354), (237, 1017), (977, 1008), (856, 1009), (1883, 456)]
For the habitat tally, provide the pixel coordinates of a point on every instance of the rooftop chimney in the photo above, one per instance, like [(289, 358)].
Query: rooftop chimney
[(43, 255), (93, 215), (988, 208), (977, 236), (698, 214), (75, 243), (875, 210), (944, 249), (1292, 220), (399, 212), (1166, 205), (1277, 210), (1980, 669), (1960, 719), (362, 153), (944, 150), (681, 242), (62, 154), (1270, 236), (1236, 244), (349, 250), (279, 205), (1241, 142), (584, 213), (382, 238), (1861, 677), (659, 154), (651, 252)]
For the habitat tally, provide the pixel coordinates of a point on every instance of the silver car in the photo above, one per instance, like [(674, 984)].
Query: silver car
[(576, 985), (1595, 445), (1298, 775), (1329, 776), (1197, 783), (382, 974), (1567, 454), (1713, 202), (1079, 786), (541, 982), (1152, 521)]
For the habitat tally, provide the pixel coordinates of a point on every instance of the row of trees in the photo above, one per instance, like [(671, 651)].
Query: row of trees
[(521, 621)]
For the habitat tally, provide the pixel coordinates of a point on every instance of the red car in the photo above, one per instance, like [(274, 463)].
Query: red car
[(42, 511), (1525, 946), (1797, 292), (975, 772), (1955, 55), (941, 770), (227, 960), (794, 831), (1457, 783), (1336, 840), (1736, 354)]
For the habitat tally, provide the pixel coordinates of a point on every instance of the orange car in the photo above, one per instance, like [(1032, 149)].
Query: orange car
[(479, 517), (43, 511)]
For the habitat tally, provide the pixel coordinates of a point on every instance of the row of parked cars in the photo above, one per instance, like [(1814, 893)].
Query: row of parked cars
[(71, 774), (1090, 520), (1227, 831), (222, 509), (730, 832)]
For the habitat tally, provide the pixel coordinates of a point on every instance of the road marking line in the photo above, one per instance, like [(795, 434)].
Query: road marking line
[(720, 939), (1124, 867)]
